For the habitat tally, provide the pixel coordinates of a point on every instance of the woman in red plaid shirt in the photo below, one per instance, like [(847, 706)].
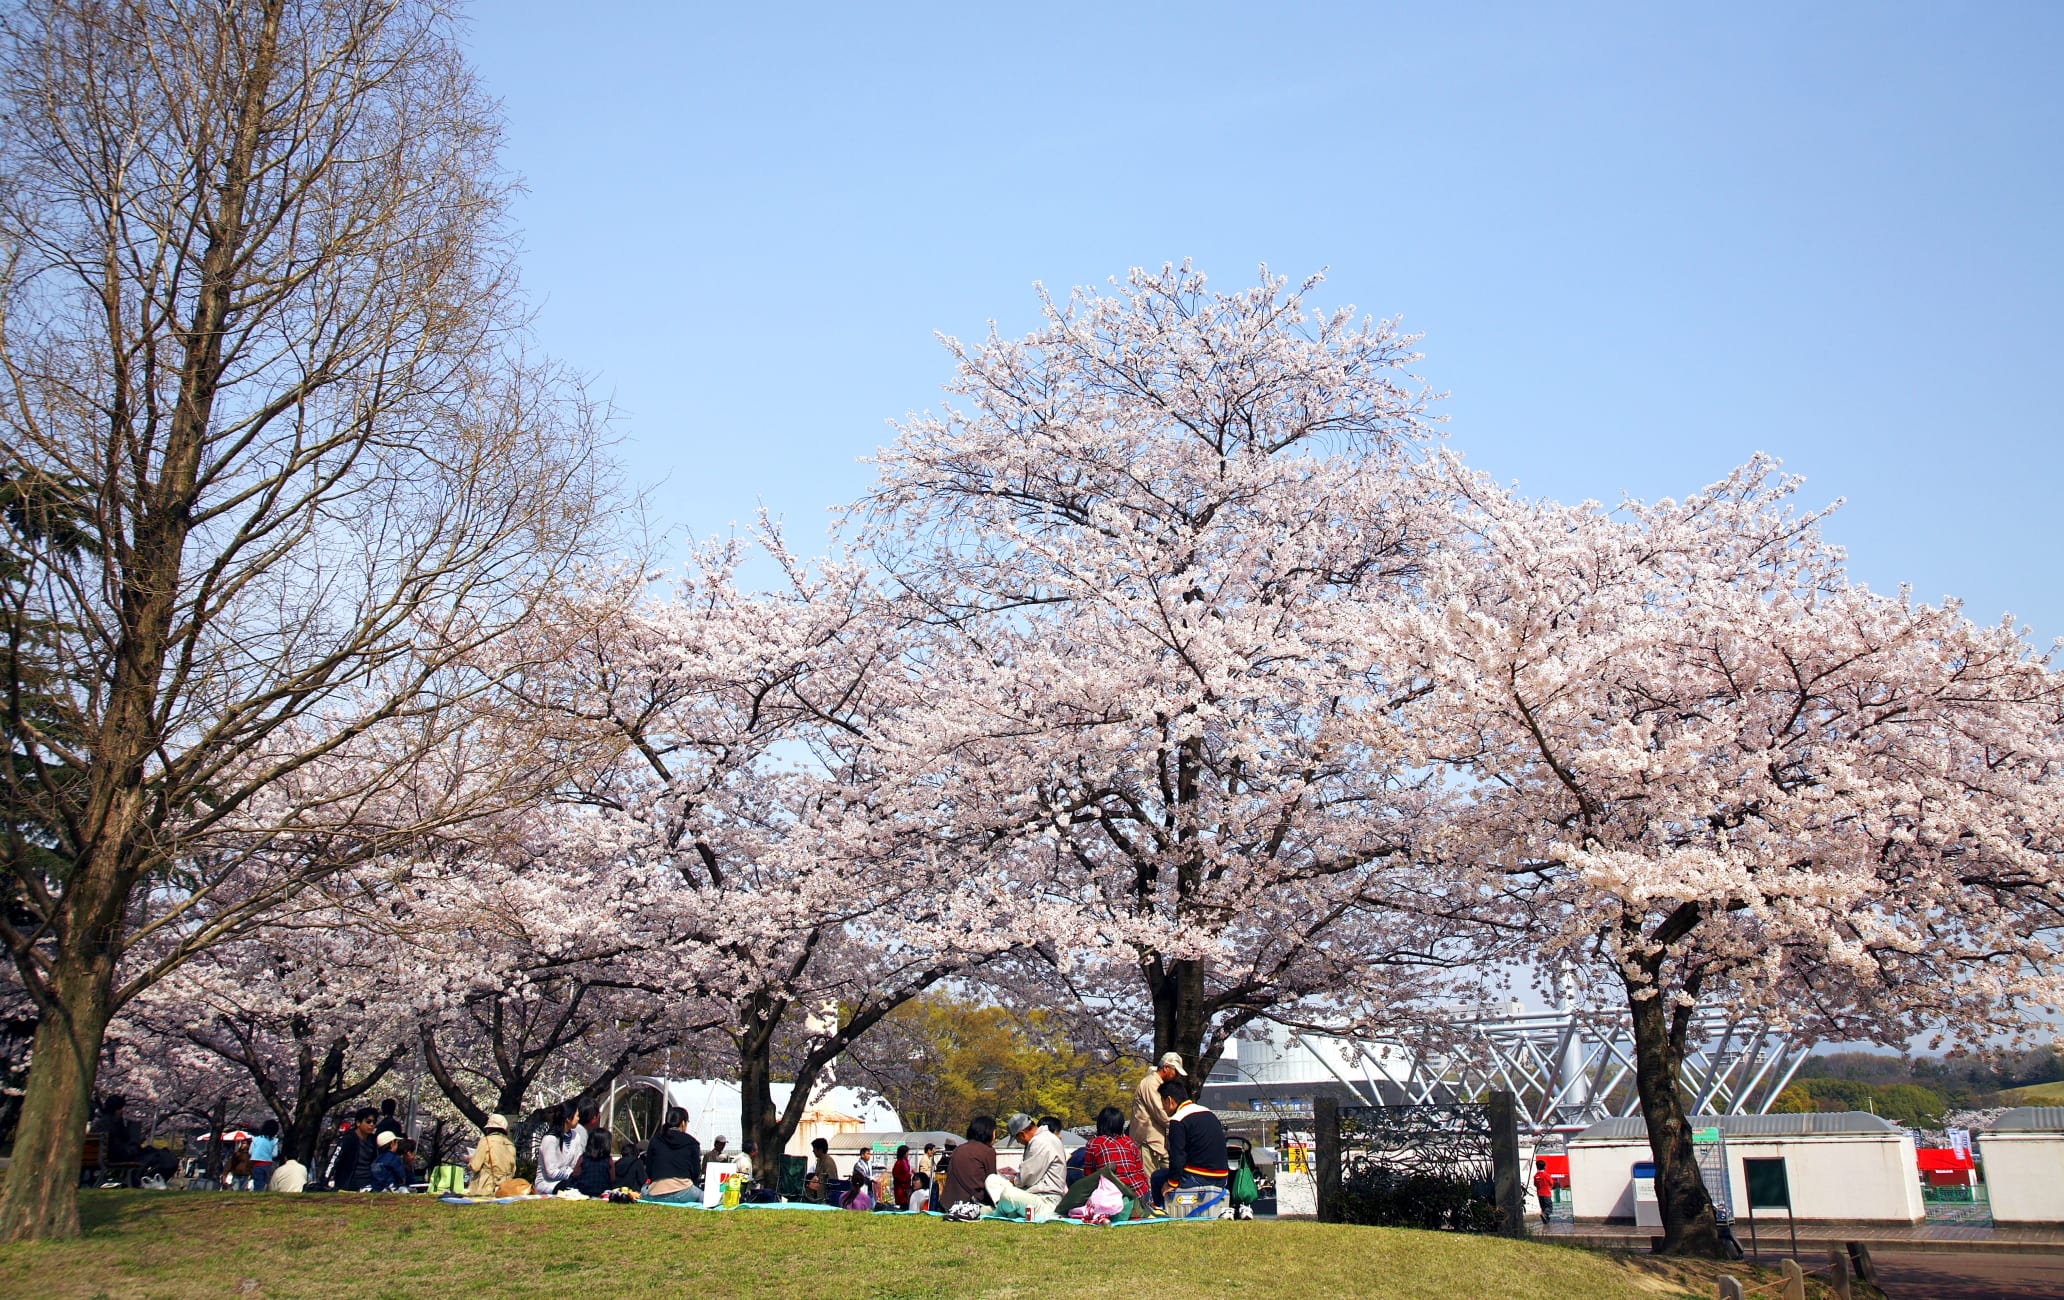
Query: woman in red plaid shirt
[(1115, 1153)]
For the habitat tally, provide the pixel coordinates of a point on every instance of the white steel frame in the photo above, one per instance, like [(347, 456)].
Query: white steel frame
[(1570, 1069)]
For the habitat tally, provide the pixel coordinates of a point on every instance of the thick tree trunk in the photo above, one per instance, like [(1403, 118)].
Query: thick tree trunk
[(304, 1129), (759, 1119), (1689, 1226), (1182, 1019), (41, 1197), (42, 1190)]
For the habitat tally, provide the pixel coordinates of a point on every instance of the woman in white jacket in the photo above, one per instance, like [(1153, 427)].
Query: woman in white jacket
[(559, 1154)]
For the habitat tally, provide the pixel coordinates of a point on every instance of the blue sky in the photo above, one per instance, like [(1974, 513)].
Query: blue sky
[(1642, 241)]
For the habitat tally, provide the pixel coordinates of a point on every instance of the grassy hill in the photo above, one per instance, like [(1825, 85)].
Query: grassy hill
[(193, 1244), (2035, 1094)]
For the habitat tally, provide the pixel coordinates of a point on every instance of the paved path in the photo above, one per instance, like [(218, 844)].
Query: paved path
[(1815, 1238), (1949, 1276)]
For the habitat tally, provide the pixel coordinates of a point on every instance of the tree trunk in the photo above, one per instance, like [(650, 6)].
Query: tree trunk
[(1689, 1226), (42, 1190), (433, 1061), (304, 1128), (112, 852), (759, 1119), (1181, 1017)]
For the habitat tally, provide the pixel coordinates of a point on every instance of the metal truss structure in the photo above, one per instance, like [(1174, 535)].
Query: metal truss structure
[(1572, 1068)]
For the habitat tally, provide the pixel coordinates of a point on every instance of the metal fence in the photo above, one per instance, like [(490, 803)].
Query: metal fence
[(1448, 1167)]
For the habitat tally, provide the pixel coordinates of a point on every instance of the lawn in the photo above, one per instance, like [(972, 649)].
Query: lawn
[(193, 1244)]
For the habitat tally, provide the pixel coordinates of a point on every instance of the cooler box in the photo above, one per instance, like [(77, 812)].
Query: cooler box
[(1648, 1212)]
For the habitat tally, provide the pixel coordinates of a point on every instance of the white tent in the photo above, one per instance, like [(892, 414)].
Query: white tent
[(712, 1106)]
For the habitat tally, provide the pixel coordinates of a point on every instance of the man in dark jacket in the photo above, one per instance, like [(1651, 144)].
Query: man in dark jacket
[(673, 1163), (351, 1162), (1197, 1154)]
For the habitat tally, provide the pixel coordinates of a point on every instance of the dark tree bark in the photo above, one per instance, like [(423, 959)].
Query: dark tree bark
[(256, 291), (1689, 1225)]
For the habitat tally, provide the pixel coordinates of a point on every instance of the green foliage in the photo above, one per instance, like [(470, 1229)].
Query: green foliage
[(44, 523), (941, 1061), (1973, 1076), (1906, 1104)]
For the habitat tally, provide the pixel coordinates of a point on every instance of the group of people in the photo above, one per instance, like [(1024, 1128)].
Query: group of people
[(1170, 1142), (371, 1154)]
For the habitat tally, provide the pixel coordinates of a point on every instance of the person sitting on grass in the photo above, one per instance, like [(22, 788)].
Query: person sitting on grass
[(902, 1178), (860, 1196), (673, 1163), (493, 1160), (288, 1175), (1113, 1152), (1197, 1154), (351, 1160), (826, 1168), (1041, 1178), (559, 1154), (969, 1168), (628, 1172), (389, 1173), (593, 1176)]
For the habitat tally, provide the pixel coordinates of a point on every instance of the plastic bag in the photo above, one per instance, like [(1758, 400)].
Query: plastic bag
[(1245, 1190), (1106, 1201), (448, 1179)]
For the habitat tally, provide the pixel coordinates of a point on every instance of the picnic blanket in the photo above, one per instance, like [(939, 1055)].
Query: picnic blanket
[(810, 1206)]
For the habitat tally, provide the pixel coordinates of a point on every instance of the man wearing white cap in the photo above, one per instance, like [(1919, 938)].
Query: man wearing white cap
[(1149, 1117)]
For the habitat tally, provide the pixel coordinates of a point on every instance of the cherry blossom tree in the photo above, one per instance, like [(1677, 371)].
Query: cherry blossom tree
[(534, 970), (1160, 536), (780, 839), (1710, 768), (303, 1015)]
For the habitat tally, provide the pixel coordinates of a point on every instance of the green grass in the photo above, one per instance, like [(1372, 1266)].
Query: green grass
[(192, 1244), (2037, 1094)]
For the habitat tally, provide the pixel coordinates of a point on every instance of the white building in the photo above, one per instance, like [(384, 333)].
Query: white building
[(2022, 1154), (1844, 1167)]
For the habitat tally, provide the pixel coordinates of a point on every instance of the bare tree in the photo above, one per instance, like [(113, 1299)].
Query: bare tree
[(261, 339)]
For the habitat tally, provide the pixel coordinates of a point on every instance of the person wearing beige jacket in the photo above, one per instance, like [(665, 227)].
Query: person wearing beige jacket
[(1149, 1118), (493, 1160)]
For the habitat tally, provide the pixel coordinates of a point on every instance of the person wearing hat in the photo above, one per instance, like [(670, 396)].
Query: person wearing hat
[(1149, 1116), (493, 1160), (389, 1173), (1041, 1178)]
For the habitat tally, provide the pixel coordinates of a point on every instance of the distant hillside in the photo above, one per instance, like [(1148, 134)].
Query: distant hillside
[(2035, 1094), (1911, 1089)]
